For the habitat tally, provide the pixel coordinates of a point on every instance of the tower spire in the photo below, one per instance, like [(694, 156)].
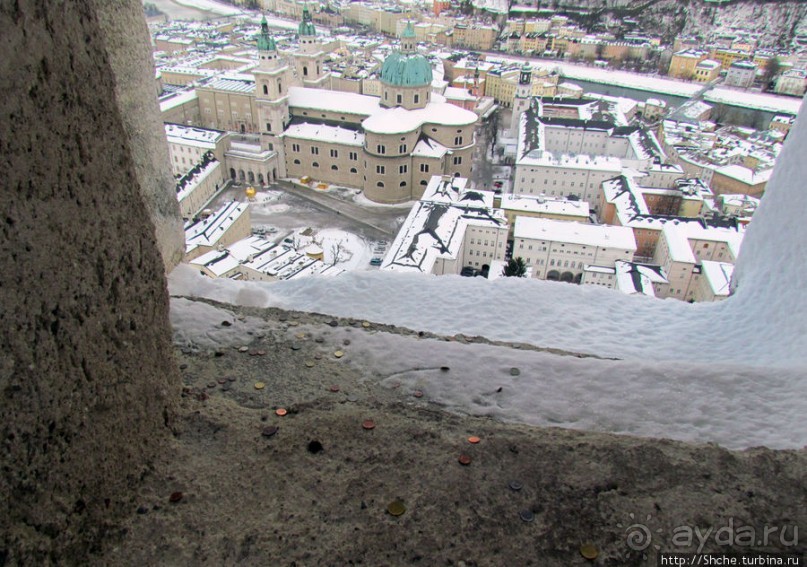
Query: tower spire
[(306, 27), (265, 41)]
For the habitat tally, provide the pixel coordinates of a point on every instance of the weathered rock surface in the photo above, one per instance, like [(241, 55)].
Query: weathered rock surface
[(87, 375), (312, 487)]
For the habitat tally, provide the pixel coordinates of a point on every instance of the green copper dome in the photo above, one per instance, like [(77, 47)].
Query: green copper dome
[(306, 27), (265, 41), (406, 70)]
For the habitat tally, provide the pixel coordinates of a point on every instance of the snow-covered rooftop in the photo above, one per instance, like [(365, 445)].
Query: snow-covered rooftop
[(547, 205), (427, 147), (333, 101), (635, 278), (236, 84), (208, 231), (189, 184), (602, 236), (745, 175), (718, 274), (177, 100), (325, 133), (400, 120), (192, 136), (435, 227)]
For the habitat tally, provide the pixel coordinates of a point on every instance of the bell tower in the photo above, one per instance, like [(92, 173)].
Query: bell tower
[(310, 57), (272, 78), (521, 101)]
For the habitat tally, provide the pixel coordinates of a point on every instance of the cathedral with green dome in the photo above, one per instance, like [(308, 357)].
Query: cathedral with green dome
[(389, 146)]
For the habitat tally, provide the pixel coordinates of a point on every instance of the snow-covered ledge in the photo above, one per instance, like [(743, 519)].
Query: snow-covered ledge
[(730, 372)]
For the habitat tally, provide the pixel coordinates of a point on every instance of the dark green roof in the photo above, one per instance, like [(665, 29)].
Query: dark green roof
[(409, 31), (265, 41), (406, 70), (306, 27)]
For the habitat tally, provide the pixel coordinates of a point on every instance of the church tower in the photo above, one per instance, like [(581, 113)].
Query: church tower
[(521, 101), (272, 81), (310, 57)]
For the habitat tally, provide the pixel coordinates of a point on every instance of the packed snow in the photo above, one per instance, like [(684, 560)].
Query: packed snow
[(729, 372)]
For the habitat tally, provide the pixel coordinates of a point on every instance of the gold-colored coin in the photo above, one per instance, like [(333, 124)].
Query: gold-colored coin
[(396, 508), (589, 551), (259, 385)]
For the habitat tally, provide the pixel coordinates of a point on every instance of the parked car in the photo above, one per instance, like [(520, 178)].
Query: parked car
[(375, 261), (468, 272)]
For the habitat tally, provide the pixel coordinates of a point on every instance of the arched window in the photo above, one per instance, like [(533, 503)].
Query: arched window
[(315, 164), (353, 170), (380, 184), (305, 71), (423, 182), (334, 168), (403, 183), (297, 162), (265, 90)]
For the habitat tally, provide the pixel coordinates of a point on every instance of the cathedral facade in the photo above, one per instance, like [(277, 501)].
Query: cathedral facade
[(388, 146)]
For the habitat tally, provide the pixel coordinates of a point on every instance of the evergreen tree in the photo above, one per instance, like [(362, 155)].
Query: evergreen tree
[(515, 268), (771, 70)]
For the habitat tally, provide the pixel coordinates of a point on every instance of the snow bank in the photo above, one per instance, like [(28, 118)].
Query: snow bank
[(735, 407), (198, 325), (580, 319)]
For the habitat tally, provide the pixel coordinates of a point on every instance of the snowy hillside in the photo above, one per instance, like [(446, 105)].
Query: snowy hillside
[(775, 21)]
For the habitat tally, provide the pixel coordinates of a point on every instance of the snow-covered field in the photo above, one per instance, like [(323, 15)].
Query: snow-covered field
[(353, 252)]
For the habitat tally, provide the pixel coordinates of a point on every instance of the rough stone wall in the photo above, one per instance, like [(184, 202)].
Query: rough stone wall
[(127, 43), (87, 376)]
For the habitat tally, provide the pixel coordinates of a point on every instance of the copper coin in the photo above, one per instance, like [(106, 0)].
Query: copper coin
[(368, 424), (334, 388), (175, 497), (589, 551), (464, 460), (281, 412), (396, 508), (473, 439), (417, 394)]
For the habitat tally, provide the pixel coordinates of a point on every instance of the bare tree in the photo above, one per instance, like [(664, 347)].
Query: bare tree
[(338, 253)]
